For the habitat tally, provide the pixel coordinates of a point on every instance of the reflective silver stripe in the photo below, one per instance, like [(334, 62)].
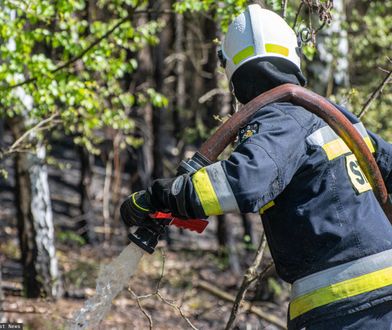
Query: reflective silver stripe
[(326, 134), (222, 188), (361, 129), (322, 136), (342, 272)]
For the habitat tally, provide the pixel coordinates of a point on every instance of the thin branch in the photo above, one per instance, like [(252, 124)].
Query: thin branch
[(383, 70), (258, 279), (320, 27), (158, 294), (297, 14), (212, 289), (178, 308), (148, 316), (375, 94), (250, 276), (211, 93), (25, 135)]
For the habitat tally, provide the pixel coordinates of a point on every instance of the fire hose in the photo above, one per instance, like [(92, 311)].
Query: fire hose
[(147, 237)]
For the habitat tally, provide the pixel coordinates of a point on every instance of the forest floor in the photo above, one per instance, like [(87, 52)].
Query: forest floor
[(190, 259), (182, 270)]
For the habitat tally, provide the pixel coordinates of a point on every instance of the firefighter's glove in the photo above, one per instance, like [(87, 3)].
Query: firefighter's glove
[(169, 195), (136, 208)]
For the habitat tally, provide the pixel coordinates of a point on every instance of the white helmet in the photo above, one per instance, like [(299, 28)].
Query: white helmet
[(258, 33)]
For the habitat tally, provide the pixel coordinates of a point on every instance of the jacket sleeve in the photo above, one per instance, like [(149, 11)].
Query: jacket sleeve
[(383, 155), (257, 171)]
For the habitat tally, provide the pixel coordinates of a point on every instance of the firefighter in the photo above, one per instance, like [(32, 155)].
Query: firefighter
[(326, 231)]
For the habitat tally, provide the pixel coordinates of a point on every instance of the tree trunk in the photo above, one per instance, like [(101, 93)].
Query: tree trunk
[(1, 296), (180, 95), (84, 226), (227, 243), (214, 104), (107, 187), (41, 276), (329, 70), (1, 132), (158, 54), (249, 236)]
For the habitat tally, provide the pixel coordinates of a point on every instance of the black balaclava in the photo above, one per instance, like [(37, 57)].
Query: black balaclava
[(259, 75)]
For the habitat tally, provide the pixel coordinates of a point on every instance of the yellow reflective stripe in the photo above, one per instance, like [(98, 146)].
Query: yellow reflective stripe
[(333, 145), (340, 290), (243, 54), (272, 48), (369, 144), (335, 148), (136, 204), (266, 207), (206, 193)]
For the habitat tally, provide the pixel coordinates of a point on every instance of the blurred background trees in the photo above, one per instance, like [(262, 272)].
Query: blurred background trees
[(97, 98)]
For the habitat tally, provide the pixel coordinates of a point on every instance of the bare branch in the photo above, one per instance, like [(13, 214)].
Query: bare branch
[(297, 14), (212, 289), (138, 300), (383, 70), (158, 294), (250, 276), (211, 93), (375, 95), (320, 27), (260, 276), (46, 123), (178, 308)]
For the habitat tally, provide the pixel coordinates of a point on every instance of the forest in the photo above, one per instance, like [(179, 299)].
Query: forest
[(97, 99)]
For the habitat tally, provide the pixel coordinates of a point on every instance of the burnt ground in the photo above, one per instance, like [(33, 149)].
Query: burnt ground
[(191, 258)]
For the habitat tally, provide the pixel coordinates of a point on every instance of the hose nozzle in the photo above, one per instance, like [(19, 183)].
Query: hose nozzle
[(147, 237)]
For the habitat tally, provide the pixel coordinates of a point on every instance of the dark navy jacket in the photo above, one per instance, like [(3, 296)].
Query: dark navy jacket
[(318, 208), (311, 227)]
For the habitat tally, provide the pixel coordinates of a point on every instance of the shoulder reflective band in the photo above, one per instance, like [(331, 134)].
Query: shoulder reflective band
[(340, 282), (332, 144), (362, 130), (214, 191)]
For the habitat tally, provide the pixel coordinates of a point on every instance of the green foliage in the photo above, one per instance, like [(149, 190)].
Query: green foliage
[(274, 286), (46, 42), (370, 44), (309, 50), (70, 238), (91, 92), (221, 11)]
